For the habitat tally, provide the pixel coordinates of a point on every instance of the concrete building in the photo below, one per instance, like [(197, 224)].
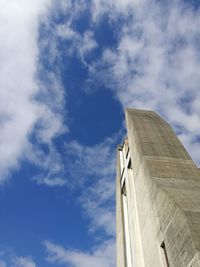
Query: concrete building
[(157, 196)]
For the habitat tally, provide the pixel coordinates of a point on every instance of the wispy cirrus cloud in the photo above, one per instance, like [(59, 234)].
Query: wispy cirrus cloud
[(10, 259), (95, 161), (113, 8), (95, 167), (81, 43), (23, 262)]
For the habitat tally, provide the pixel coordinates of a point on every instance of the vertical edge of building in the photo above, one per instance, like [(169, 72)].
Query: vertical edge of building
[(121, 253), (158, 196)]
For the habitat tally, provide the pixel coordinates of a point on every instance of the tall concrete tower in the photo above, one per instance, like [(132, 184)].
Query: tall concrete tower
[(157, 197)]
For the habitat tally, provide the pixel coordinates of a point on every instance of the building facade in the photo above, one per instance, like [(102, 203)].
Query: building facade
[(157, 196)]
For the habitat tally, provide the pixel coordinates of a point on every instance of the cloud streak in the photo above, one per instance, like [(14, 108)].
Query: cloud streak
[(23, 262), (95, 167), (99, 257), (9, 258)]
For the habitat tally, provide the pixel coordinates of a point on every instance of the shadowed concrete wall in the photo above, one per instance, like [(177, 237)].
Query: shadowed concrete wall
[(166, 185)]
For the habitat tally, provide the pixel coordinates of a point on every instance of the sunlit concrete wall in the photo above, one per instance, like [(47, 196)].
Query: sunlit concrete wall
[(158, 196)]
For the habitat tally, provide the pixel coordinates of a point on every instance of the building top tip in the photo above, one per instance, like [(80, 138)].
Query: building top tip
[(135, 110)]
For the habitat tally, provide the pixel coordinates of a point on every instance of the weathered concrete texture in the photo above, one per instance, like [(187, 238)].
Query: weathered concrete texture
[(167, 192)]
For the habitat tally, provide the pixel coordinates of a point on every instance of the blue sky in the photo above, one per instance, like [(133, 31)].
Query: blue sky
[(67, 71)]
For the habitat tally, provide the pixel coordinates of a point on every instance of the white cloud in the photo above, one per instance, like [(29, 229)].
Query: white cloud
[(95, 167), (113, 8), (10, 259), (19, 109), (52, 173), (101, 256), (23, 262), (81, 43), (55, 181), (94, 160), (156, 64)]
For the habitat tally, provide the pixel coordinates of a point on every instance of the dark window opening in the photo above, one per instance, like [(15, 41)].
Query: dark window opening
[(127, 151), (129, 164), (122, 172), (164, 252), (124, 189)]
